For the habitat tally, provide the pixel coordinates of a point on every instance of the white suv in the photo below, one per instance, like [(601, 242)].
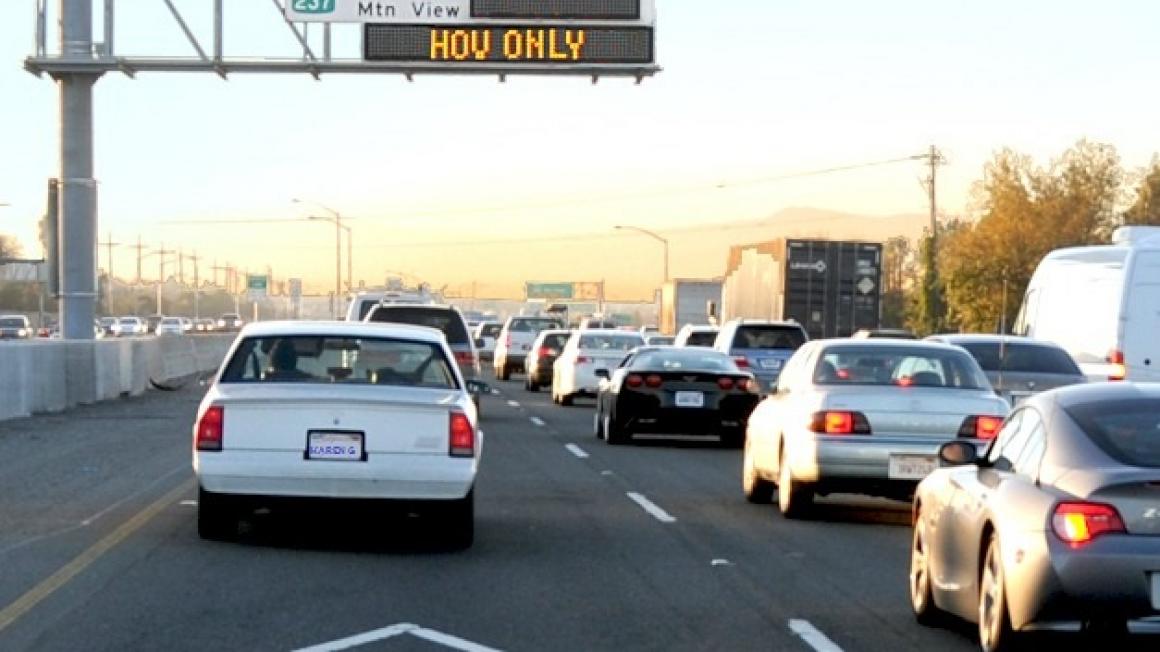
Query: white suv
[(515, 340)]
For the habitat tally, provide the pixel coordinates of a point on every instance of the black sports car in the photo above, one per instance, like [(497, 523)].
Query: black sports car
[(674, 391)]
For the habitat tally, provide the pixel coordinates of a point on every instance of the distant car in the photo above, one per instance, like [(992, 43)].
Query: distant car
[(1057, 523), (894, 333), (760, 346), (659, 340), (129, 326), (1018, 366), (15, 327), (151, 323), (204, 325), (574, 372), (106, 324), (338, 411), (230, 321), (545, 350), (515, 340), (864, 416), (674, 391), (445, 319), (649, 330), (171, 326), (487, 332), (691, 335), (588, 323), (363, 302)]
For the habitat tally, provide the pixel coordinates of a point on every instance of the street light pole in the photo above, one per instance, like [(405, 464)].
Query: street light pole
[(654, 236), (336, 217)]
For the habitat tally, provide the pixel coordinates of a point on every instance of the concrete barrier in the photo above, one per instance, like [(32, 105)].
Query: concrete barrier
[(52, 375)]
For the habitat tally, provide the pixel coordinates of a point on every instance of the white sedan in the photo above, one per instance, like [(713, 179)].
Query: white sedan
[(337, 410), (864, 416), (574, 372)]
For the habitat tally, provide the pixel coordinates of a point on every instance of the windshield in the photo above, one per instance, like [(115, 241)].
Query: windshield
[(334, 359), (441, 319), (1127, 430), (610, 342), (898, 366), (524, 325), (11, 322), (769, 337), (678, 359), (1022, 358), (701, 338)]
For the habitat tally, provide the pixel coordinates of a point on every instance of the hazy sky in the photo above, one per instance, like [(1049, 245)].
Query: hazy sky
[(750, 89)]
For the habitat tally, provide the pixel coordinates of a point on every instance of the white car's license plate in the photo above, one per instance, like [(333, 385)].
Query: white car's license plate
[(690, 399), (770, 363), (911, 467), (1156, 591), (344, 446)]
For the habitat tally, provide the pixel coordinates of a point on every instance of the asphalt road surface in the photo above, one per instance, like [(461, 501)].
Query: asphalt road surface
[(579, 546)]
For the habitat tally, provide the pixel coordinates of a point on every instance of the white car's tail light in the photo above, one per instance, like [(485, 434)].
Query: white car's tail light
[(464, 357), (462, 435), (580, 359), (836, 422), (741, 361), (211, 428), (1078, 523), (1119, 369)]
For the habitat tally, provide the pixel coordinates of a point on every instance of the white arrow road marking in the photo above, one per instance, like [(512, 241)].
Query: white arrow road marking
[(650, 507), (576, 450), (812, 637), (538, 421), (446, 640)]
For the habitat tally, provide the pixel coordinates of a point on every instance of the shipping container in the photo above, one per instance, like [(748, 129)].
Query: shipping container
[(830, 287), (688, 301)]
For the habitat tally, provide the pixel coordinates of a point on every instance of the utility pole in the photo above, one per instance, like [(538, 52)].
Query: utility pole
[(180, 267), (226, 278), (196, 286), (140, 256), (161, 253), (109, 273), (932, 290)]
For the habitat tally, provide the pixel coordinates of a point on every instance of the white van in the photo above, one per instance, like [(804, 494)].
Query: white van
[(1101, 304)]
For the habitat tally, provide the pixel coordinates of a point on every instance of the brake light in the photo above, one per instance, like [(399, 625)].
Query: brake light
[(747, 385), (545, 352), (1119, 369), (725, 382), (741, 361), (1078, 523), (580, 359), (464, 357), (981, 426), (507, 340), (832, 422), (462, 436), (634, 380), (210, 429), (653, 381)]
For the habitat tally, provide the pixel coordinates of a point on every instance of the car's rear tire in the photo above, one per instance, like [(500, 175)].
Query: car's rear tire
[(598, 425), (995, 633), (531, 385), (921, 593), (794, 499), (503, 372), (757, 489), (566, 400), (614, 434), (216, 518), (459, 522)]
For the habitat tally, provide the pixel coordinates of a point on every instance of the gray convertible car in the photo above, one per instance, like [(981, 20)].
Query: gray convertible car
[(1059, 522)]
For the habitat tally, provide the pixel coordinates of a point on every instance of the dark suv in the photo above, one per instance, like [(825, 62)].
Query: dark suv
[(538, 363), (447, 319)]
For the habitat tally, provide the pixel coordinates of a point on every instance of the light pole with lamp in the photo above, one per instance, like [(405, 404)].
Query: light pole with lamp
[(335, 217), (654, 236)]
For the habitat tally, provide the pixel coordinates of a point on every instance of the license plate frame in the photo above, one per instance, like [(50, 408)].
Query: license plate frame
[(911, 466), (771, 364), (335, 446), (689, 399)]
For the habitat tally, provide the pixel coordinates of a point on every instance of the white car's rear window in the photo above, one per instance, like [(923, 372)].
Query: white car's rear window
[(327, 359), (900, 366)]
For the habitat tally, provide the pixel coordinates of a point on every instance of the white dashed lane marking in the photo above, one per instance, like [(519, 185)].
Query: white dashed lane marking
[(576, 450), (812, 636), (538, 421), (650, 507), (514, 404)]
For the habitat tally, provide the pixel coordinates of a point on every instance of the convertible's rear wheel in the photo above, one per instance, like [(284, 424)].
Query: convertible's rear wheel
[(503, 372), (460, 522), (216, 518), (921, 600), (598, 425), (995, 633), (613, 433), (756, 488)]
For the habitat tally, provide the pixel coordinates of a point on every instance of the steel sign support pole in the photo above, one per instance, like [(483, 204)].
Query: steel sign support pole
[(78, 196)]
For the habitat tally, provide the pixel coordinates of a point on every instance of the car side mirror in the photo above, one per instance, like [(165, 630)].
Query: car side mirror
[(478, 387), (602, 373), (958, 453)]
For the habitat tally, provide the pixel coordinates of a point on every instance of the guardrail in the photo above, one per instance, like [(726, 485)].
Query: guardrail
[(53, 375)]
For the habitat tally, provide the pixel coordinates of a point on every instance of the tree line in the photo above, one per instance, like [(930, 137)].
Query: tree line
[(1020, 210)]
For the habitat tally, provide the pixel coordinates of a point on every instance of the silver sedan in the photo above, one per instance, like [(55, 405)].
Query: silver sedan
[(1058, 522), (864, 416)]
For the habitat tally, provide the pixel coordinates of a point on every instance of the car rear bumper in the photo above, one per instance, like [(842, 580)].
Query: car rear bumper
[(819, 458), (381, 476), (685, 421), (1108, 577)]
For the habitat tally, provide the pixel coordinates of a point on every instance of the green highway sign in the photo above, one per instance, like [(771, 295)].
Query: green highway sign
[(548, 290), (257, 284)]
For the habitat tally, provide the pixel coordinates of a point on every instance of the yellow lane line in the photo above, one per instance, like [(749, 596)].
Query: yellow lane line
[(36, 594)]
